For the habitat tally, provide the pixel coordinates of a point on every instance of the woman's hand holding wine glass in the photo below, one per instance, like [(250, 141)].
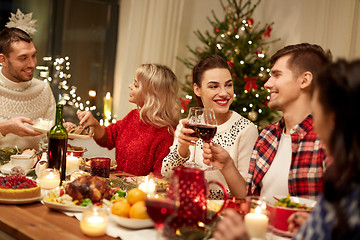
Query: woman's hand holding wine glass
[(203, 122)]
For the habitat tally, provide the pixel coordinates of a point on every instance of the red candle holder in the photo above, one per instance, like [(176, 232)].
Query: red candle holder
[(100, 167)]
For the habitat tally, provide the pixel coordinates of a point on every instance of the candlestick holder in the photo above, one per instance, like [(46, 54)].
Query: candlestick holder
[(257, 218), (94, 221), (49, 178)]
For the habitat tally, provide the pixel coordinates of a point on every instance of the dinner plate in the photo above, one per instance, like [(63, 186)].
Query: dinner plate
[(22, 201), (42, 130), (78, 136), (62, 207), (132, 223)]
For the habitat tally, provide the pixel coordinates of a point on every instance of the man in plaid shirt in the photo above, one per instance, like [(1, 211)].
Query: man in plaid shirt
[(288, 157)]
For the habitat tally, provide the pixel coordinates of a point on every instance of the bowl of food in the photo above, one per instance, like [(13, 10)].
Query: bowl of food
[(281, 207), (75, 151)]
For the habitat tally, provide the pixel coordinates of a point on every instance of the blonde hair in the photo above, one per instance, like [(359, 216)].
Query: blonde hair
[(158, 89)]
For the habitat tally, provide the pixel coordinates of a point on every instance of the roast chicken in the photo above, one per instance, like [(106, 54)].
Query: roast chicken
[(93, 187)]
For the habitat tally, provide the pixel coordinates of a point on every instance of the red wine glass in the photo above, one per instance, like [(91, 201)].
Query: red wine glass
[(207, 127), (162, 206), (194, 120)]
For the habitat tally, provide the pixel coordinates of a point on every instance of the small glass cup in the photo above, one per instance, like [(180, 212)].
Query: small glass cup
[(49, 178), (239, 205), (94, 221), (257, 218), (100, 167), (77, 174)]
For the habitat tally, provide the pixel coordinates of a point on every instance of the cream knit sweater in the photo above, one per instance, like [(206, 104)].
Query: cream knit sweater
[(33, 99)]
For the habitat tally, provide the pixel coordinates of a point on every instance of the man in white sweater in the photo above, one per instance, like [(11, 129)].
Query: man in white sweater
[(23, 99)]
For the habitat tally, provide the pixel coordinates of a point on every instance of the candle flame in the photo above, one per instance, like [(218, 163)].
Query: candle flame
[(258, 210), (108, 95)]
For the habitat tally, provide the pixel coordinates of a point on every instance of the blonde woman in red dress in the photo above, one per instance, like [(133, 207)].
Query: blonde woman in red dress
[(143, 137)]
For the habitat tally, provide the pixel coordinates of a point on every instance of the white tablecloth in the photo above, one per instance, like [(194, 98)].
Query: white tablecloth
[(116, 231)]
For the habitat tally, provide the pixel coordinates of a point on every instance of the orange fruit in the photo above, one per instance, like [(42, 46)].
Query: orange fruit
[(135, 195), (121, 208), (138, 210)]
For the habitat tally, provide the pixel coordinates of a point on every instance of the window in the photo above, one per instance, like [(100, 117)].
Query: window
[(85, 31)]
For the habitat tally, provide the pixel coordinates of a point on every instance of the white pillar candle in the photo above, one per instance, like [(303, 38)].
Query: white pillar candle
[(49, 179), (256, 224), (94, 222), (148, 186), (72, 164)]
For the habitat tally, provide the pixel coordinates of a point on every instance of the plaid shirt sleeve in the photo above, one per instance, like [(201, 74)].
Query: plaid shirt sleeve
[(308, 161)]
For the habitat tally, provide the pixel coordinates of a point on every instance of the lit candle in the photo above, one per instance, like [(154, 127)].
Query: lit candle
[(107, 105), (256, 224), (72, 164), (148, 186), (49, 179), (94, 221)]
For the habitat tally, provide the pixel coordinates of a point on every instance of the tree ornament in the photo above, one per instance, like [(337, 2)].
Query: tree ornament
[(268, 31), (237, 50), (199, 50), (263, 75), (250, 83), (230, 63), (184, 103), (252, 115), (189, 78)]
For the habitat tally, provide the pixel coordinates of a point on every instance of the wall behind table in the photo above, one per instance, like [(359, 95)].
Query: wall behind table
[(93, 150), (333, 24)]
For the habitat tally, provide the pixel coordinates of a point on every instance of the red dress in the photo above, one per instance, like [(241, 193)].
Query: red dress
[(139, 147)]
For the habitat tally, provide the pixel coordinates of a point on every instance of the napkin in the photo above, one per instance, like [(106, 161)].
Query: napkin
[(115, 231)]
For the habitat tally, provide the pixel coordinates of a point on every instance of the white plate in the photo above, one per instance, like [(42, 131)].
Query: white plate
[(22, 201), (78, 136), (6, 168), (63, 207), (42, 130), (132, 223)]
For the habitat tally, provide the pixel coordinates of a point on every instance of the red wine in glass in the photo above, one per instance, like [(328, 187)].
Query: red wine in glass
[(159, 210), (193, 127), (206, 132)]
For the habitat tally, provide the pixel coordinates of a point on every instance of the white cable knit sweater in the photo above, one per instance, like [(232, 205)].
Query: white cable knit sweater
[(33, 99), (237, 136)]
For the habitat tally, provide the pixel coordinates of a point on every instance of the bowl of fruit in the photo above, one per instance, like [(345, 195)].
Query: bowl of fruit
[(130, 211)]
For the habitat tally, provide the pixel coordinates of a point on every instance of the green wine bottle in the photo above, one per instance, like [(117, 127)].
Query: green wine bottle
[(58, 144)]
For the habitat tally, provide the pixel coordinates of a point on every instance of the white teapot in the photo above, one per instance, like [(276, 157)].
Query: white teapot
[(41, 165)]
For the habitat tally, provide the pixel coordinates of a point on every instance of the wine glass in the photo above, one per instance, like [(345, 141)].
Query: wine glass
[(206, 127), (162, 206), (194, 119)]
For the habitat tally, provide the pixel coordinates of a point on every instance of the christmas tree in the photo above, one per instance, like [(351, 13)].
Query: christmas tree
[(243, 44)]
